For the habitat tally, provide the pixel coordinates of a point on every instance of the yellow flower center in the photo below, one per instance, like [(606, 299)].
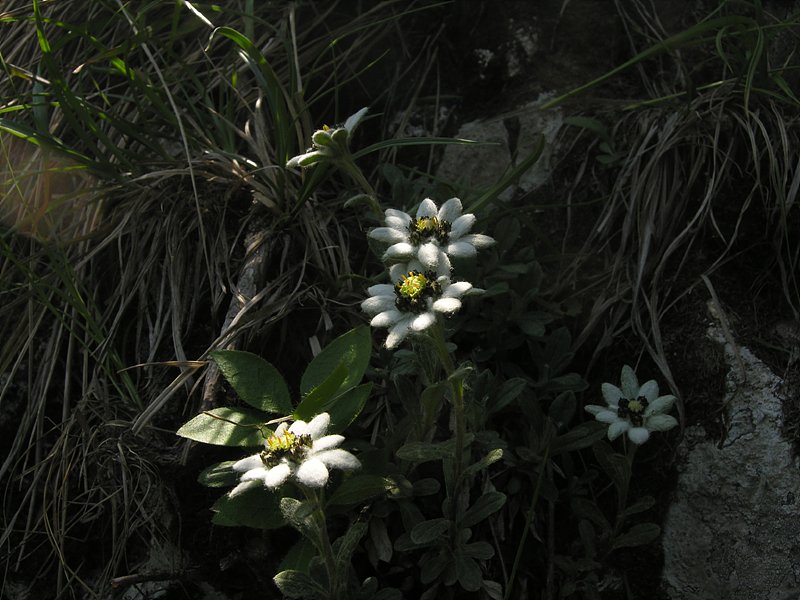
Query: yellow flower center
[(281, 443), (412, 285), (635, 406)]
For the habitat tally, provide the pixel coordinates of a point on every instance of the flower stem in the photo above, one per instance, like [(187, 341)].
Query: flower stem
[(457, 385), (349, 166), (323, 541)]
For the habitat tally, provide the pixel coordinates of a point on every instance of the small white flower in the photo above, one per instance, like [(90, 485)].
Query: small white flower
[(412, 302), (635, 409), (432, 236), (302, 452), (328, 142)]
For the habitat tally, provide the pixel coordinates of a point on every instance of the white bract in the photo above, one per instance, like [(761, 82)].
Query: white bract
[(634, 408), (411, 304), (301, 451), (328, 142), (431, 237)]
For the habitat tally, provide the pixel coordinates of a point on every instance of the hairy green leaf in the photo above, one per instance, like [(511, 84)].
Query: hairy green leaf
[(227, 427), (255, 380)]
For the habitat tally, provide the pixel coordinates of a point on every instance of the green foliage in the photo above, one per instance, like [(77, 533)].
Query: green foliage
[(255, 380), (227, 427)]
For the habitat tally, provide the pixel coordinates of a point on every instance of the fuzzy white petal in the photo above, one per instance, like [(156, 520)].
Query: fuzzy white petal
[(447, 305), (659, 406), (661, 422), (461, 226), (381, 289), (281, 429), (423, 321), (318, 425), (649, 390), (450, 211), (427, 208), (242, 487), (616, 428), (397, 334), (377, 304), (638, 435), (397, 271), (277, 475), (461, 249), (247, 464), (607, 416), (299, 427), (594, 408), (312, 473), (388, 235), (338, 459), (630, 384), (479, 240), (457, 289), (327, 442), (428, 255), (387, 318), (611, 394), (256, 474), (400, 250), (397, 218)]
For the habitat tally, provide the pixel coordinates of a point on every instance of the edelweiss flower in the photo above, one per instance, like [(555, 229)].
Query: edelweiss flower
[(301, 451), (432, 237), (411, 303), (328, 142), (637, 410)]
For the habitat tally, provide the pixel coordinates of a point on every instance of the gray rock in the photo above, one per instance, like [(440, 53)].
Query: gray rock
[(732, 530), (509, 138)]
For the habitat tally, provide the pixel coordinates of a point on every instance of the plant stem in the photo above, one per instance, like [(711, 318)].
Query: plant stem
[(351, 168), (457, 385), (323, 541), (528, 520)]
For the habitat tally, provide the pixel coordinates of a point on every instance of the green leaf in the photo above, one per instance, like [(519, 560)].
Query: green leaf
[(583, 508), (484, 506), (579, 437), (420, 452), (479, 550), (562, 409), (388, 594), (415, 141), (615, 465), (255, 380), (469, 573), (427, 486), (428, 531), (227, 427), (509, 391), (345, 408), (352, 349), (642, 504), (358, 488), (638, 535), (347, 545), (256, 507), (219, 475), (312, 402), (297, 584), (492, 457), (299, 556)]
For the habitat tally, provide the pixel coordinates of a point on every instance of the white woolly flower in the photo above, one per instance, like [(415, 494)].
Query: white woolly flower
[(634, 408), (432, 236), (411, 304), (301, 451), (328, 142)]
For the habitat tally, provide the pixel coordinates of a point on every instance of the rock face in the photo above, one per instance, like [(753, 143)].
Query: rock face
[(733, 529), (509, 138)]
